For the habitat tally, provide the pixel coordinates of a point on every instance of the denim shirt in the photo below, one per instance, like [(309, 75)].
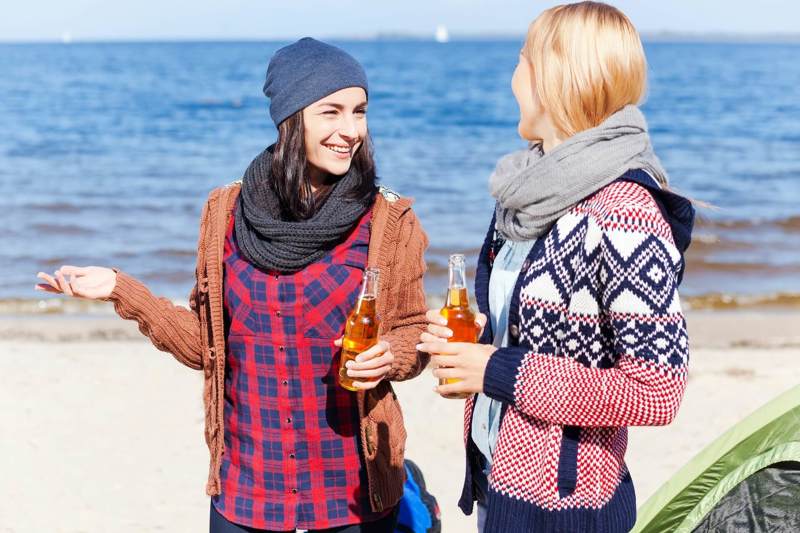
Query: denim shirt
[(506, 268)]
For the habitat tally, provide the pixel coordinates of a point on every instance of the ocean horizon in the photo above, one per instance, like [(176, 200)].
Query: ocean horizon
[(112, 148)]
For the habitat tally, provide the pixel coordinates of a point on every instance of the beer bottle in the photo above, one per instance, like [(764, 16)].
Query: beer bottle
[(460, 318), (361, 330)]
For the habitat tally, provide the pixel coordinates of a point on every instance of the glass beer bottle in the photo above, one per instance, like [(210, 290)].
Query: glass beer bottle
[(361, 330), (460, 318)]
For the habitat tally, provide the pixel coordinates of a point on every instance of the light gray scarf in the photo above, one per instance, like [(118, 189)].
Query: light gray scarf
[(533, 189)]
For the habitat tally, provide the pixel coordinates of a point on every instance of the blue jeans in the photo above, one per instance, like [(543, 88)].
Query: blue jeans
[(220, 524), (481, 517)]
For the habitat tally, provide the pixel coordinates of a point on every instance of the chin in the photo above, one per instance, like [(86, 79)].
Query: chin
[(527, 133), (337, 169)]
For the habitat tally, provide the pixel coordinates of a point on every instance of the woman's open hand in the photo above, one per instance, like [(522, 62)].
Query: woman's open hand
[(92, 282)]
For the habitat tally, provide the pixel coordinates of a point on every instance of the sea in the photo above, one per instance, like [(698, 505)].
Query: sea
[(108, 151)]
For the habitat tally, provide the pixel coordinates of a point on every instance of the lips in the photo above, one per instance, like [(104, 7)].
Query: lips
[(340, 151)]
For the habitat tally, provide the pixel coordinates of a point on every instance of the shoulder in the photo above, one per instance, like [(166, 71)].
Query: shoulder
[(388, 194), (393, 213), (626, 206), (392, 204), (225, 194)]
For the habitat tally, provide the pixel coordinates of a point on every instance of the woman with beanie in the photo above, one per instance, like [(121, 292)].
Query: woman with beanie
[(279, 267), (578, 276)]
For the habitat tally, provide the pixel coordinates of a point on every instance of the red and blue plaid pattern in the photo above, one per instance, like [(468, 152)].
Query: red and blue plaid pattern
[(292, 453)]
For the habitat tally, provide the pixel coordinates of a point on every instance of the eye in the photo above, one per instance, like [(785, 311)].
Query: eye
[(329, 112), (361, 111)]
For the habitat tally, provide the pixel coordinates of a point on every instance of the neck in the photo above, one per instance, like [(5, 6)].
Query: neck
[(550, 141), (316, 178)]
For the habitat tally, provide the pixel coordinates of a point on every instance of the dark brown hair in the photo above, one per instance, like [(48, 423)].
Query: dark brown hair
[(290, 180)]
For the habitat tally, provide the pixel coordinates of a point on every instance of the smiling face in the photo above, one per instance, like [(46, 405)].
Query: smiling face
[(335, 128)]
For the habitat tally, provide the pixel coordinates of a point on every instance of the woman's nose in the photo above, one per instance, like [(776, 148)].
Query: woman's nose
[(347, 128)]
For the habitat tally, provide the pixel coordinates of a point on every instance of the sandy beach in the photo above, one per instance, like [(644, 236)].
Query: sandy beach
[(101, 432)]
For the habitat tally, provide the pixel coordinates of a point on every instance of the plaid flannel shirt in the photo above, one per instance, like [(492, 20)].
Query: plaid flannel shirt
[(292, 455)]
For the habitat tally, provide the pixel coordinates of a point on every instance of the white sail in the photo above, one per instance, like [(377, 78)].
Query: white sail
[(442, 35)]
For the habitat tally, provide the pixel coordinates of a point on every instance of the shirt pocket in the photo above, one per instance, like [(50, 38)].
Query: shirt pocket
[(330, 291)]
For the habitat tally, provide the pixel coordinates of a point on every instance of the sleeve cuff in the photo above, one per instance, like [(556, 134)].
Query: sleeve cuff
[(500, 378)]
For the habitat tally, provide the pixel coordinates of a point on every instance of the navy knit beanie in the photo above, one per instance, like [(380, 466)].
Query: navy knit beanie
[(306, 71)]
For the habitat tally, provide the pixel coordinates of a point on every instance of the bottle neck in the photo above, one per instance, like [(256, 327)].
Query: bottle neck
[(369, 290), (457, 294)]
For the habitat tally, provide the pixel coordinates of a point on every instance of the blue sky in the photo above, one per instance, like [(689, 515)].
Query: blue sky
[(34, 20)]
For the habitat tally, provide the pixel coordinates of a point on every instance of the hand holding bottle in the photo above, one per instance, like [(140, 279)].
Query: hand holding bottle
[(370, 366), (437, 330), (460, 366)]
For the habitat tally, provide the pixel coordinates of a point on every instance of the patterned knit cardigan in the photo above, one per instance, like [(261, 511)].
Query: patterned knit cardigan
[(597, 342)]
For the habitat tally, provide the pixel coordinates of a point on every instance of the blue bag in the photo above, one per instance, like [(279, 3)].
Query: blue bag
[(419, 511)]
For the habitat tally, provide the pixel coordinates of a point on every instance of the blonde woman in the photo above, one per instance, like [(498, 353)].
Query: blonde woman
[(578, 277)]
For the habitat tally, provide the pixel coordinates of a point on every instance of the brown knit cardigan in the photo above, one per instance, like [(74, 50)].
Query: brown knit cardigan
[(196, 336)]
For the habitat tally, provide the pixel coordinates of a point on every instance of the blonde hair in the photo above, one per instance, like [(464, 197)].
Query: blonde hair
[(587, 61)]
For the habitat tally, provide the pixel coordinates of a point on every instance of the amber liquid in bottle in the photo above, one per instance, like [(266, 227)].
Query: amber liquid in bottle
[(361, 330), (460, 318)]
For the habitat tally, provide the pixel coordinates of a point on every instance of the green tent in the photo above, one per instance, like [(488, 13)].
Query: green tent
[(747, 480)]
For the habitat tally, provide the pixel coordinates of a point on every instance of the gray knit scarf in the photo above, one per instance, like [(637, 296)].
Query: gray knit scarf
[(273, 244), (533, 189)]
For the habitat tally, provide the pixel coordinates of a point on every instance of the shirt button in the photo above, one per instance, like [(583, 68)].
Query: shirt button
[(277, 313), (289, 420), (280, 348), (291, 456), (294, 491), (285, 382)]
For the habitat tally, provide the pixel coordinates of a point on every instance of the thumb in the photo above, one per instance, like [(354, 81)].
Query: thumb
[(69, 270)]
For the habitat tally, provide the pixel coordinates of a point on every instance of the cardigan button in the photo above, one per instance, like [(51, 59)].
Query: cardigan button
[(513, 329), (526, 264), (377, 499)]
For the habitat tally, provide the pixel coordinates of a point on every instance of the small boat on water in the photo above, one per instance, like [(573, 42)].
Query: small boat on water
[(442, 35)]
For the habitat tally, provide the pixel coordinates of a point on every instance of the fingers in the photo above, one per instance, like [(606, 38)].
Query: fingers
[(49, 280), (433, 316), (69, 270), (450, 388), (439, 331), (447, 373), (338, 342), (63, 283), (444, 348), (379, 349), (368, 373), (429, 338), (384, 360), (446, 361), (44, 287), (480, 319)]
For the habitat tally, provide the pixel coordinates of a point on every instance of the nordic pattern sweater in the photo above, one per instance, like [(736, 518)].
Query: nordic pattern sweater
[(597, 342)]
